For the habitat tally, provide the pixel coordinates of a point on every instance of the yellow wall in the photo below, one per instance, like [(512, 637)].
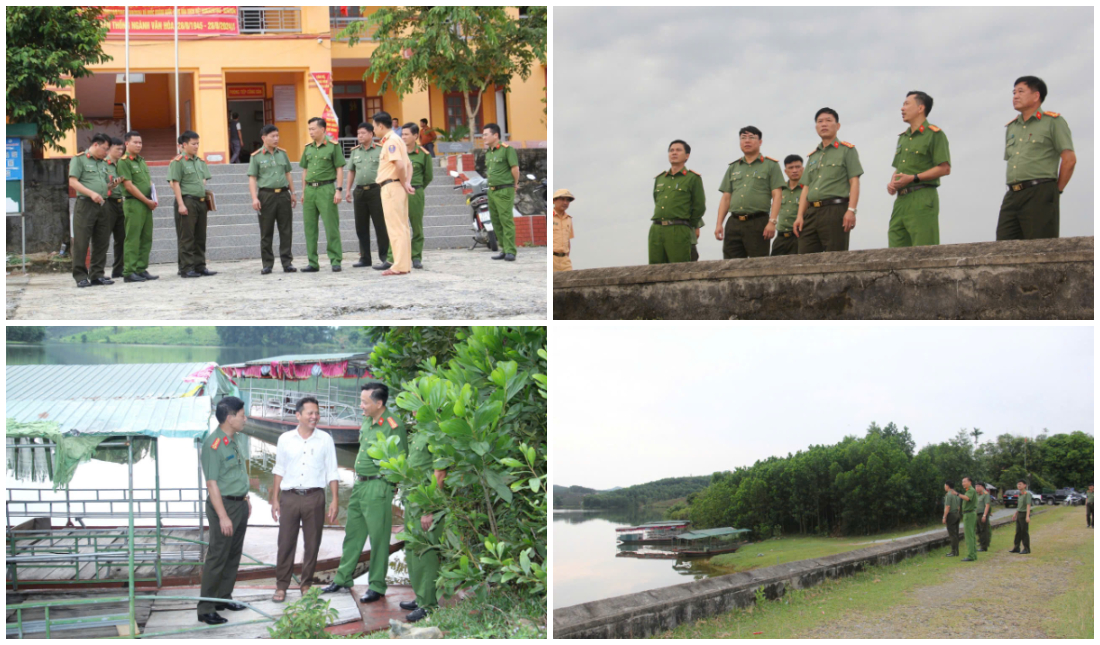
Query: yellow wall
[(527, 122), (150, 105)]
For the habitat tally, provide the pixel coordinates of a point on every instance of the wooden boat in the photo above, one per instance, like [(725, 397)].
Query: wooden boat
[(652, 532), (693, 544)]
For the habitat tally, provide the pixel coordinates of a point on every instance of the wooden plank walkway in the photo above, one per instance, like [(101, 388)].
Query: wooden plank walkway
[(376, 615)]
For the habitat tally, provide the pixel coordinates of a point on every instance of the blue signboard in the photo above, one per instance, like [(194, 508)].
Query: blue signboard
[(14, 163)]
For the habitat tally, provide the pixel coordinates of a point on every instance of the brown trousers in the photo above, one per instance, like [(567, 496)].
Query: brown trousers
[(305, 511)]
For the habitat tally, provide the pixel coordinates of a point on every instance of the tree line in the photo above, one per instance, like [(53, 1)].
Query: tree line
[(642, 494), (26, 334), (876, 483), (261, 335)]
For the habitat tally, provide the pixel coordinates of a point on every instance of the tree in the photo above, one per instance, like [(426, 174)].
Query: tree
[(457, 48), (976, 433), (51, 45), (26, 334)]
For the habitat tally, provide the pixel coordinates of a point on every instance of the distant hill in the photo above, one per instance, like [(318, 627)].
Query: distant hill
[(571, 496), (188, 335), (651, 493)]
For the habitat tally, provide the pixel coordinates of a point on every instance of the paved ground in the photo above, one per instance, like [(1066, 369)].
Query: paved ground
[(456, 284)]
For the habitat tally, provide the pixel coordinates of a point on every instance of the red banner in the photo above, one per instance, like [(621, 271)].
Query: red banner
[(158, 20), (246, 91), (324, 84)]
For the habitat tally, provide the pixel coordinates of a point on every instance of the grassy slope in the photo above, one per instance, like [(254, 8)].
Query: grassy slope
[(150, 336)]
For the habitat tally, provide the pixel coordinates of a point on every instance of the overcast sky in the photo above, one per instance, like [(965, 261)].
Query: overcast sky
[(637, 403), (627, 81)]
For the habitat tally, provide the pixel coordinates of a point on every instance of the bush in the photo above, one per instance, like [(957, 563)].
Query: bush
[(305, 618)]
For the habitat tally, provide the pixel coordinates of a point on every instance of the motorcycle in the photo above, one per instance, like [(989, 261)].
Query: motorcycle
[(478, 202)]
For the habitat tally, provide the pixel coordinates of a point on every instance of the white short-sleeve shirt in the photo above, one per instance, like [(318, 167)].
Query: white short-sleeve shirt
[(305, 463)]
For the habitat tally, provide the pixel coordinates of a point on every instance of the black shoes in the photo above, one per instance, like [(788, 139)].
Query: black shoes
[(83, 283), (1016, 550), (361, 263), (950, 555), (332, 587), (371, 596), (116, 274), (310, 269), (1025, 552), (408, 605), (206, 271), (265, 270), (498, 256), (336, 268), (417, 264), (420, 614), (290, 268), (982, 550), (231, 606), (381, 266), (134, 277), (212, 619), (969, 560), (148, 276), (191, 274), (510, 258), (103, 281)]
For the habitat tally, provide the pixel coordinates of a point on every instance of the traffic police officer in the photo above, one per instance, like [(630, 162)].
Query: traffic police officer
[(367, 198), (502, 168), (678, 207), (421, 177), (785, 241), (88, 177), (273, 196), (970, 524), (1035, 143), (827, 206), (951, 517), (1022, 520), (423, 567), (750, 191), (395, 183), (227, 509), (922, 157), (985, 531), (188, 174), (117, 221), (137, 210), (370, 509), (322, 190), (563, 230)]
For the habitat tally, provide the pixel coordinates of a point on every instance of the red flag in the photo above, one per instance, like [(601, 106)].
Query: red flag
[(344, 10)]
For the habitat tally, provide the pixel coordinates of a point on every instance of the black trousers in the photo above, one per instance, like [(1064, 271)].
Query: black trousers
[(367, 201)]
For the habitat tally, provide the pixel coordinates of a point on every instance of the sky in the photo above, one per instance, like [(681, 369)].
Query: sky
[(637, 403), (627, 81)]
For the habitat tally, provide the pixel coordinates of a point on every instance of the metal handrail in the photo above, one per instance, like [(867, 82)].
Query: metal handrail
[(79, 508), (264, 20), (332, 410), (339, 24)]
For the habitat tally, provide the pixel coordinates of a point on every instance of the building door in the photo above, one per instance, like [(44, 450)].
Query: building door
[(252, 123), (350, 113)]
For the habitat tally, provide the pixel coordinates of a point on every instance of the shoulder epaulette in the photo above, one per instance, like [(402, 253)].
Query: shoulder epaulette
[(505, 145), (903, 132), (278, 148), (845, 143), (357, 146), (933, 128), (256, 152), (1052, 114), (179, 158), (1011, 122), (695, 173), (775, 160), (393, 424), (813, 152), (663, 172)]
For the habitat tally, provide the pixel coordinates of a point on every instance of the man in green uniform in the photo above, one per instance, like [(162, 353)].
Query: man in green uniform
[(827, 206), (951, 507), (322, 190), (502, 170), (367, 198), (785, 241), (1022, 520), (138, 210), (1036, 143), (921, 159), (678, 207), (421, 177), (370, 509), (985, 507), (88, 177), (227, 509), (1088, 508), (116, 219), (273, 197), (750, 193), (188, 174), (970, 521), (423, 567)]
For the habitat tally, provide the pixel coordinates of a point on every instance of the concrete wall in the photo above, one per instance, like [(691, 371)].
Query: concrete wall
[(529, 199), (46, 192), (643, 614), (1033, 279)]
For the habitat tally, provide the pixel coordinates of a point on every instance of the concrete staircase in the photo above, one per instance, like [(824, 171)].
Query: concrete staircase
[(233, 232)]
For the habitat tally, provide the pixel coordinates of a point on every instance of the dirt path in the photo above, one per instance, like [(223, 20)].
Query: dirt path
[(975, 601)]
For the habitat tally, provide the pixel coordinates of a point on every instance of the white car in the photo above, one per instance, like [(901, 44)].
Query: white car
[(1037, 500)]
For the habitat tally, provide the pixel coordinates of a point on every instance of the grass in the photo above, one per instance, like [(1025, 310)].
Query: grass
[(199, 336), (503, 614), (877, 594)]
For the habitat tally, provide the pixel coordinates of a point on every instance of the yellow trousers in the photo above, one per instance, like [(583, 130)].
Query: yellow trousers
[(562, 264), (395, 206)]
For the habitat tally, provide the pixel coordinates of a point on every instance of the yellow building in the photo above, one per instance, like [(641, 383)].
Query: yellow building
[(270, 71)]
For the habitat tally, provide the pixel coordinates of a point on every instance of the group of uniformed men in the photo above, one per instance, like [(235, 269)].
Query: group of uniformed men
[(814, 209), (386, 185), (305, 464)]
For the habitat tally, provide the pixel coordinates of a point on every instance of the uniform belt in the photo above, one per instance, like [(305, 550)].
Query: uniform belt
[(744, 217), (301, 491), (85, 198), (1028, 184), (417, 187), (785, 233), (366, 186), (671, 222), (115, 199), (320, 183), (364, 478), (388, 181), (502, 186), (913, 189), (829, 202), (276, 190), (560, 255), (233, 498)]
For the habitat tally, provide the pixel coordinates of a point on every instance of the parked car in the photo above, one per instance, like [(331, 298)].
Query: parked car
[(1075, 499), (1037, 499), (1011, 498)]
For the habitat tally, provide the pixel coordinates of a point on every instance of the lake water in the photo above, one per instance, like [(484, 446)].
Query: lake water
[(585, 566), (179, 461)]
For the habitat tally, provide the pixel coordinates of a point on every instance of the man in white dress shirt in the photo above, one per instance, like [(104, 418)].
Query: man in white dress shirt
[(305, 461)]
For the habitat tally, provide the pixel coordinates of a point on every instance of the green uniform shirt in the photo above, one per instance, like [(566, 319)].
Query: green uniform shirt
[(828, 170), (388, 425), (223, 461), (499, 162), (364, 163), (112, 172), (920, 151), (269, 168), (970, 505), (679, 196), (1088, 498), (133, 168), (321, 161), (788, 207), (952, 501), (983, 500), (90, 172), (1033, 148), (750, 185), (190, 173), (422, 167), (1024, 501)]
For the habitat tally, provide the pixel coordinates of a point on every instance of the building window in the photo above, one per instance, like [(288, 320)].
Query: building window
[(374, 106), (455, 106)]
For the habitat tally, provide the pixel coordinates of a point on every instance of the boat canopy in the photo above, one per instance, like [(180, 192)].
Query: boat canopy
[(79, 406), (297, 367), (709, 533)]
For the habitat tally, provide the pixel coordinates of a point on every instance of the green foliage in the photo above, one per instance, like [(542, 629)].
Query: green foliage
[(50, 45), (483, 412), (26, 334), (457, 133), (458, 48), (245, 336), (305, 618), (407, 350), (642, 494)]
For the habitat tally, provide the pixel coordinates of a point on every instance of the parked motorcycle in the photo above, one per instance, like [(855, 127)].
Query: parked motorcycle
[(479, 209)]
